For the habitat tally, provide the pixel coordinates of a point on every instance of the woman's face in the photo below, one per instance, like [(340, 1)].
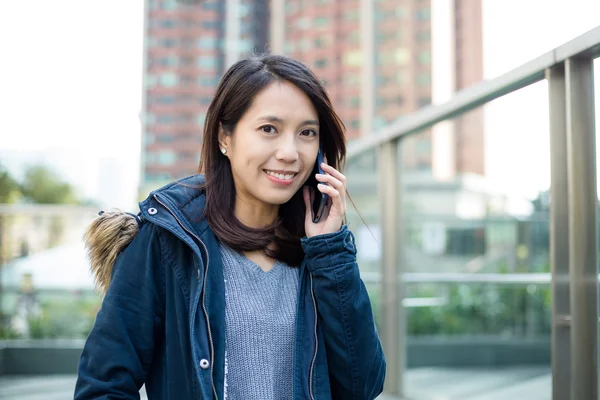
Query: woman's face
[(274, 146)]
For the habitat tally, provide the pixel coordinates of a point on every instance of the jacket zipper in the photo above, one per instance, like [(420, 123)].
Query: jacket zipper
[(312, 364), (212, 349)]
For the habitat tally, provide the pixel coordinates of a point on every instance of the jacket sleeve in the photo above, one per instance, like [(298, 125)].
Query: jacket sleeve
[(119, 349), (354, 353)]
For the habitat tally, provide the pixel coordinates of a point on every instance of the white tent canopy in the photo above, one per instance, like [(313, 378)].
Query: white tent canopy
[(64, 267)]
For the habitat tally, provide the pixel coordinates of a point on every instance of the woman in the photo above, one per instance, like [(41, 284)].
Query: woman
[(229, 289)]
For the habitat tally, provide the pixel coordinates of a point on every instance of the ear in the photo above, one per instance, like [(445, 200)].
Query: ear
[(224, 138)]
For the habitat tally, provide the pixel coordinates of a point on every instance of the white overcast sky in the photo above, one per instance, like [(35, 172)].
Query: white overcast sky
[(71, 82)]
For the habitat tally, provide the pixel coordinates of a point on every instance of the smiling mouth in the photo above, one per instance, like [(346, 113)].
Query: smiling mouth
[(281, 176)]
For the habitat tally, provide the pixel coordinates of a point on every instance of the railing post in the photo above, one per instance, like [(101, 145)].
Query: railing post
[(583, 199), (559, 235), (393, 328)]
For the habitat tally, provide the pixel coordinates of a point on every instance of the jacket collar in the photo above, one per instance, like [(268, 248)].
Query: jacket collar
[(186, 199)]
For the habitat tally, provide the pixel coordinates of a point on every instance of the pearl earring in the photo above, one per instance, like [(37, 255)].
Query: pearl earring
[(224, 151)]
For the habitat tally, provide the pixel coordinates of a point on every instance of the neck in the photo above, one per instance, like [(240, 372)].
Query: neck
[(255, 215)]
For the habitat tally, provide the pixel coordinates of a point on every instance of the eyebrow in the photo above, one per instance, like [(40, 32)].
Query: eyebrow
[(272, 118)]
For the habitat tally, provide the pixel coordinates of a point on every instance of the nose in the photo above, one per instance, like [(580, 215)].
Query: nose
[(287, 150)]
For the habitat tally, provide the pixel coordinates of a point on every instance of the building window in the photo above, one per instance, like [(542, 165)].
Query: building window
[(352, 14), (351, 80), (246, 45), (423, 79), (424, 58), (210, 24), (164, 138), (169, 79), (207, 42), (353, 58), (148, 138), (206, 62), (304, 44), (169, 5), (355, 124), (166, 99), (402, 56), (321, 63), (401, 78), (244, 10), (211, 5), (150, 118), (186, 79), (166, 157), (207, 81), (165, 119), (382, 80), (424, 101), (157, 177), (423, 14), (354, 102), (321, 22), (168, 24), (200, 118), (291, 7), (303, 23), (289, 47), (168, 42), (150, 80), (423, 36), (320, 42)]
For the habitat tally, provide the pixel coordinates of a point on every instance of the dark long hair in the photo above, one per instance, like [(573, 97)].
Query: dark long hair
[(234, 96)]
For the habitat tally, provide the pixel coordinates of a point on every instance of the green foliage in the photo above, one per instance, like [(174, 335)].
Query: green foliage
[(7, 333), (9, 188), (485, 309), (480, 310), (42, 185), (64, 318)]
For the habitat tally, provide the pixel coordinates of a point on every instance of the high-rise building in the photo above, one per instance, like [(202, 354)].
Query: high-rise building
[(457, 54), (380, 60), (376, 60), (187, 49)]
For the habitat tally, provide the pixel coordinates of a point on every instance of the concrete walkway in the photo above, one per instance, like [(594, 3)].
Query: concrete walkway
[(531, 383)]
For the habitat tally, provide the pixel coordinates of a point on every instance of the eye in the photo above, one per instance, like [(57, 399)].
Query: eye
[(309, 132), (270, 129)]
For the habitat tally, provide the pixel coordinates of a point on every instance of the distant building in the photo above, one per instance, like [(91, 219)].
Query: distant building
[(379, 60), (187, 49)]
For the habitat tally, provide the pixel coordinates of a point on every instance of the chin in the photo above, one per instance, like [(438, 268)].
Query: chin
[(278, 198)]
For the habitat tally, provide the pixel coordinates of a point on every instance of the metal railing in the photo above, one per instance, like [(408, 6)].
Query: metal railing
[(568, 70)]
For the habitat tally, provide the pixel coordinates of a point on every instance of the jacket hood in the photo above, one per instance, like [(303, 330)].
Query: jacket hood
[(112, 231), (105, 238)]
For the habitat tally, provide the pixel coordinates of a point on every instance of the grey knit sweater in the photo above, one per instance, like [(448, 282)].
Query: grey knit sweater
[(260, 316)]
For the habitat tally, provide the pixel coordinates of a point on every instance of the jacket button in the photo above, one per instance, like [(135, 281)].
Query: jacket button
[(152, 211), (204, 364)]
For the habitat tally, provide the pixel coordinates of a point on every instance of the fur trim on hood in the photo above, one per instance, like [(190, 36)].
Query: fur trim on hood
[(105, 238)]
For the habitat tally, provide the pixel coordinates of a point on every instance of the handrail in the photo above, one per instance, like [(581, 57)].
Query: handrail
[(472, 97), (375, 277), (460, 277)]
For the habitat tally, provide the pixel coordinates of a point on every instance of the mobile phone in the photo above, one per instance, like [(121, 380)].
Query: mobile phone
[(320, 200)]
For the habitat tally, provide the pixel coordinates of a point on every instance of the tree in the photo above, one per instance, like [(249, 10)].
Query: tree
[(43, 186), (9, 188)]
